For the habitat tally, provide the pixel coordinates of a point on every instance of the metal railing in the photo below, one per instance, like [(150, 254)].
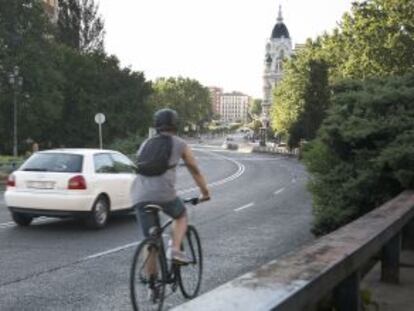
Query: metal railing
[(331, 266)]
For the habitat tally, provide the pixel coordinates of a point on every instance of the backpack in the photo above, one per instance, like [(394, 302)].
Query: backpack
[(153, 159)]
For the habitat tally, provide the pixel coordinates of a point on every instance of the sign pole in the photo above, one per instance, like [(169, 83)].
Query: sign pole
[(100, 135), (100, 119)]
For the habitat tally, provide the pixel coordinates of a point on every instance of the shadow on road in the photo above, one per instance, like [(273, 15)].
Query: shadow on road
[(62, 225)]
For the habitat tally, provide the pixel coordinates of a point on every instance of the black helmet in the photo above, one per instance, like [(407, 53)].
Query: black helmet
[(166, 120)]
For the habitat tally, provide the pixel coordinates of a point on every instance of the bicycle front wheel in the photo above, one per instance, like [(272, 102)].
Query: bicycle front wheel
[(189, 275), (148, 277)]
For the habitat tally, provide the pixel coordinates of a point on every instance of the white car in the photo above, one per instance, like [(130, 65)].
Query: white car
[(86, 183), (230, 143)]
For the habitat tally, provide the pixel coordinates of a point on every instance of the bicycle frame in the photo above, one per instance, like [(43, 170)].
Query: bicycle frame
[(153, 248), (156, 233)]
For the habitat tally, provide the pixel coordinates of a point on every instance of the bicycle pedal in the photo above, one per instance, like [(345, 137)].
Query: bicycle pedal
[(174, 287)]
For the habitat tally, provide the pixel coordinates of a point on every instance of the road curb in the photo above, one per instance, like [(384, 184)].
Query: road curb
[(276, 150)]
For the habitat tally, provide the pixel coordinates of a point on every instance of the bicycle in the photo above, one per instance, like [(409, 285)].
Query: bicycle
[(148, 279)]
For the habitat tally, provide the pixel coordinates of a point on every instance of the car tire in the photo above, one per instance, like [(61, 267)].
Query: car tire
[(22, 219), (99, 215)]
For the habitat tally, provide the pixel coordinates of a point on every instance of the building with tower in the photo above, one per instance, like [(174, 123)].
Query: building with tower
[(278, 48)]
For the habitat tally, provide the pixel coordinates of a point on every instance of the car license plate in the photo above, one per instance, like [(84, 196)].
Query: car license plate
[(40, 184)]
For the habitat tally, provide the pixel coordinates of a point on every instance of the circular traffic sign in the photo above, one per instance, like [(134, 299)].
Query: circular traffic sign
[(100, 118)]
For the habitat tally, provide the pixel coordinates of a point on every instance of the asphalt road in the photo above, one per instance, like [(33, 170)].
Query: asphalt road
[(260, 209)]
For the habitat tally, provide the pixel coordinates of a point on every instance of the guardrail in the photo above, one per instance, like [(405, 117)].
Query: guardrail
[(331, 266)]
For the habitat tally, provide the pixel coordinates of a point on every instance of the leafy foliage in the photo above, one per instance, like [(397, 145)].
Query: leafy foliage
[(24, 32), (80, 26), (188, 97), (256, 108), (128, 146), (378, 37), (64, 87), (364, 152), (375, 40), (301, 99), (95, 83)]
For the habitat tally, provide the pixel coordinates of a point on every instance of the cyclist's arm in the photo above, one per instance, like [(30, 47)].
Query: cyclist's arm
[(192, 167)]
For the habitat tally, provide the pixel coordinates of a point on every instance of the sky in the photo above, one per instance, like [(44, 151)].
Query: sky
[(217, 42)]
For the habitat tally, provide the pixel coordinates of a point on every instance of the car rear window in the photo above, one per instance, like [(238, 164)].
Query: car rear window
[(54, 162)]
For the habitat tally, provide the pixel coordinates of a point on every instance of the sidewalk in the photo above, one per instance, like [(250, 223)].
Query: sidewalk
[(390, 297)]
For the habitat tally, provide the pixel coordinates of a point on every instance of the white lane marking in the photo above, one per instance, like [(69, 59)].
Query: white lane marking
[(244, 207), (110, 251), (7, 224), (279, 191), (240, 170), (259, 159), (215, 150)]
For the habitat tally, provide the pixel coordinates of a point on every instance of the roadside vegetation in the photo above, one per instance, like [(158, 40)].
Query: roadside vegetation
[(364, 153), (351, 94)]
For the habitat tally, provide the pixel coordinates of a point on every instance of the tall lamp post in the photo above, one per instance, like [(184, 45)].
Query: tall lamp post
[(16, 82)]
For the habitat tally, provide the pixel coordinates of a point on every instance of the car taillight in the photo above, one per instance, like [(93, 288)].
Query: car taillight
[(11, 181), (77, 183)]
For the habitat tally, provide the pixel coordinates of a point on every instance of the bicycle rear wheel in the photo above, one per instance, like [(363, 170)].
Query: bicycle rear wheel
[(189, 275), (148, 277)]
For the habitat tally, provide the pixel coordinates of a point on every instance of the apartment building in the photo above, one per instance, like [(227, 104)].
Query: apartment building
[(234, 107), (215, 94)]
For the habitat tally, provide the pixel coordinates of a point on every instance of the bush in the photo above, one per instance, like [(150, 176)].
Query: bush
[(364, 152), (128, 146)]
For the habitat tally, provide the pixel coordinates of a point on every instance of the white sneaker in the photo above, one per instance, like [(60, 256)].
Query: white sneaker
[(179, 257)]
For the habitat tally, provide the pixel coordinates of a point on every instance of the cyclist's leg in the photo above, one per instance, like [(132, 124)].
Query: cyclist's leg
[(179, 230), (147, 220), (176, 209)]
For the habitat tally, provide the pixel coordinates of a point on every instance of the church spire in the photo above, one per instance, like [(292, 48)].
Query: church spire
[(279, 16)]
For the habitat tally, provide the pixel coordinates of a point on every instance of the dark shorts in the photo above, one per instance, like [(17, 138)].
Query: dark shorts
[(175, 209)]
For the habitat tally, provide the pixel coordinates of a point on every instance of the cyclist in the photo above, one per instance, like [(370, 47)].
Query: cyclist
[(161, 190)]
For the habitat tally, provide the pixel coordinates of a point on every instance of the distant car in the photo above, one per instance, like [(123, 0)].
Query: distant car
[(230, 143), (86, 183)]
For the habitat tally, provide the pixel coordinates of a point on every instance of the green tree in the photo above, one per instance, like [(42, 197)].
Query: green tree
[(315, 104), (256, 108), (80, 26), (379, 38), (375, 40), (63, 87), (25, 34), (255, 125), (289, 95), (96, 83), (188, 97), (363, 155)]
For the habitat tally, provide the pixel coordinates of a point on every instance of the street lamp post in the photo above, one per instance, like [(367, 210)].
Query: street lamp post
[(16, 82)]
